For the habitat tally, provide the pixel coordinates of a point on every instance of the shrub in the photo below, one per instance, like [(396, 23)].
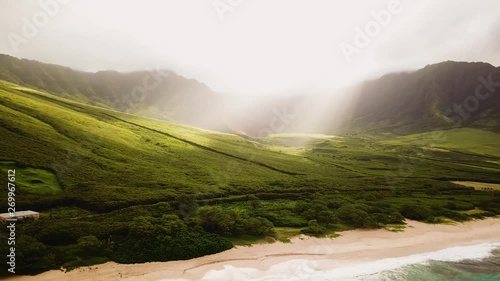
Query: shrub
[(259, 227), (89, 245), (313, 228), (351, 215), (416, 212)]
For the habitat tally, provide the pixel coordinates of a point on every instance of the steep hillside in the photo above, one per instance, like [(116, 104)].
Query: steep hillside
[(114, 186), (443, 95), (157, 93), (439, 96)]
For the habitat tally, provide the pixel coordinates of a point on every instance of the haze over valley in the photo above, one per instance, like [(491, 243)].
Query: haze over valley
[(249, 140)]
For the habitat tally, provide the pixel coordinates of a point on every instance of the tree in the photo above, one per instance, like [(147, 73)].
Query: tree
[(33, 256), (215, 219), (326, 216), (351, 215), (371, 221), (316, 210), (90, 245), (260, 227), (395, 217), (142, 227), (314, 228), (301, 206), (169, 224), (254, 201), (416, 212)]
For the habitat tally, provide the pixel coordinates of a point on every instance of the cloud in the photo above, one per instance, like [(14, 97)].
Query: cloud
[(261, 47)]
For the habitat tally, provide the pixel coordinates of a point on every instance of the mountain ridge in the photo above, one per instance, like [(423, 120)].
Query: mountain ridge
[(157, 93), (437, 96)]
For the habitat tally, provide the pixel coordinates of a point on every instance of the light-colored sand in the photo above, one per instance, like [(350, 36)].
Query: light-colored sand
[(352, 247)]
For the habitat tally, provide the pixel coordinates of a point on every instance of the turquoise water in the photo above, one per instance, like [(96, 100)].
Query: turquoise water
[(486, 269)]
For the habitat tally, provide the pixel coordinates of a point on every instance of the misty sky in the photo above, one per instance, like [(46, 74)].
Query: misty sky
[(252, 47)]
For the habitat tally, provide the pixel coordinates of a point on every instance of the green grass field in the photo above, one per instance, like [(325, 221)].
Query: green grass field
[(104, 180), (32, 180), (463, 140)]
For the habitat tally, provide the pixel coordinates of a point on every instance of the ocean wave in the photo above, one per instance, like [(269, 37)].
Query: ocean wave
[(333, 270)]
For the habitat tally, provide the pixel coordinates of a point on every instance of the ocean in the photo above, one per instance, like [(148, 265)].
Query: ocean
[(464, 263), (479, 268)]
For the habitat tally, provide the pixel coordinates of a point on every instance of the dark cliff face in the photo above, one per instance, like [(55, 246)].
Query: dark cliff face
[(443, 95)]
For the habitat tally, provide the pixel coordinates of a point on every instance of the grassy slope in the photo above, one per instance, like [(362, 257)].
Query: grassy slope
[(460, 139), (87, 147), (101, 166), (98, 148), (32, 180)]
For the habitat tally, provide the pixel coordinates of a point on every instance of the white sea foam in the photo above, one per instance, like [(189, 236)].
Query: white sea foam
[(317, 270)]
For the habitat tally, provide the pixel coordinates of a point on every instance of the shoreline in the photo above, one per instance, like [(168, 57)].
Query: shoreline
[(351, 248)]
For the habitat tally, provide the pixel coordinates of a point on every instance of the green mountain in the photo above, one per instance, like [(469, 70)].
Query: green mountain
[(444, 95), (115, 186), (439, 96), (158, 93)]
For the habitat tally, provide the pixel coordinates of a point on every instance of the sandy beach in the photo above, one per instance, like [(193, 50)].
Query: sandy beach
[(350, 248)]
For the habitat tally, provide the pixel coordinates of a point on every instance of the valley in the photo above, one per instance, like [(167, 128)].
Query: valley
[(114, 186)]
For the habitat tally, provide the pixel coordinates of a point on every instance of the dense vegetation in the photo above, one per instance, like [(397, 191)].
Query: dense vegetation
[(112, 186)]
